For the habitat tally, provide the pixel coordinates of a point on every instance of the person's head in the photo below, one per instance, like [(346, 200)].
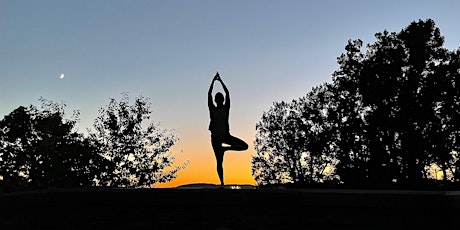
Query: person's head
[(219, 99)]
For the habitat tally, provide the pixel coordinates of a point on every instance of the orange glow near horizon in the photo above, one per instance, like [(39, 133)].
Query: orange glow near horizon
[(202, 166)]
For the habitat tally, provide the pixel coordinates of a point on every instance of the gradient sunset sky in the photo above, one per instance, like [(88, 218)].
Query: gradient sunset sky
[(169, 51)]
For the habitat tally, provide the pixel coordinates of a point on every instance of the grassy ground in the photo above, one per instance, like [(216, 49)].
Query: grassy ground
[(211, 208)]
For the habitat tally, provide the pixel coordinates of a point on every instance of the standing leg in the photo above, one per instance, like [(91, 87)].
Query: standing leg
[(220, 168), (219, 153)]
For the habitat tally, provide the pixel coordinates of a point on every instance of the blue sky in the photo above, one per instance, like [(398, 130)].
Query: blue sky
[(169, 51)]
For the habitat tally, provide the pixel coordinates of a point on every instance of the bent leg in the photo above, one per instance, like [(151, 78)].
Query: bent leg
[(235, 144)]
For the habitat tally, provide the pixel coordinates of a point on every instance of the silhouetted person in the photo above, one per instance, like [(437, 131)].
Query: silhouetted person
[(219, 127)]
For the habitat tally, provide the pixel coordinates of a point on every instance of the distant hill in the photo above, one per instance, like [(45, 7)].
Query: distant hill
[(215, 186)]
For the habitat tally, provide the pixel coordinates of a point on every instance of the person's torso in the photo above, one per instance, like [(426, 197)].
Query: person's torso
[(219, 121)]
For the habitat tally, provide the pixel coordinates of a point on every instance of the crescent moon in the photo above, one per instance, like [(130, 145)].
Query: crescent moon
[(61, 75)]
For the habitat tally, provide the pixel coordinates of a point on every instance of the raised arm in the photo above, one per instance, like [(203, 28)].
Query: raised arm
[(210, 102), (227, 94)]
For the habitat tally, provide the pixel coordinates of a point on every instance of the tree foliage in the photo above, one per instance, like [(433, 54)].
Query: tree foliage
[(141, 156), (389, 114), (292, 141), (39, 148)]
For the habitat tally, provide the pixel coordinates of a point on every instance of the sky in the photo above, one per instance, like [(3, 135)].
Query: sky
[(169, 51)]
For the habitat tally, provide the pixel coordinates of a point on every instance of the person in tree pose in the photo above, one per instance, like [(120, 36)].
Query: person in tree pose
[(219, 127)]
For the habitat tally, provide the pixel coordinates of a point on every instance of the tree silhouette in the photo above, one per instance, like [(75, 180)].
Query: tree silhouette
[(278, 160), (292, 141), (141, 156), (398, 87), (389, 114), (40, 149), (16, 131)]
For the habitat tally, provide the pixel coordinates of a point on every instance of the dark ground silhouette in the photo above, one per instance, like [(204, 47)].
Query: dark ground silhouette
[(228, 209)]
